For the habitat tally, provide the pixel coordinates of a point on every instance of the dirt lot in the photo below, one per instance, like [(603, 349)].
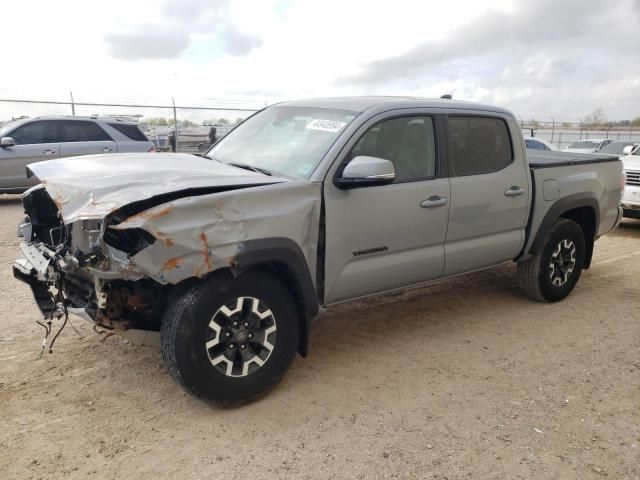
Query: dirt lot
[(460, 379)]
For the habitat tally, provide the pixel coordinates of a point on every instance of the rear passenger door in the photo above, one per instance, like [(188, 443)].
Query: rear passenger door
[(35, 141), (489, 193), (84, 137)]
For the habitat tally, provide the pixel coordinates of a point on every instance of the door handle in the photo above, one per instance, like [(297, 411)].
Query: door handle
[(514, 191), (49, 152), (107, 149), (434, 201)]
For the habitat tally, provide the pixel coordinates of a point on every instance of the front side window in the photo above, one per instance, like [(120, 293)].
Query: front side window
[(284, 140), (83, 131), (408, 142), (35, 132), (479, 145)]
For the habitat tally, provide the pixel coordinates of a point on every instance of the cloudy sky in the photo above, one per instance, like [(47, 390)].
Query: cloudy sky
[(539, 58)]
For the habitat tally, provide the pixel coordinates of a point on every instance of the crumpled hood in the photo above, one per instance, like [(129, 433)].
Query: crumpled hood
[(92, 186)]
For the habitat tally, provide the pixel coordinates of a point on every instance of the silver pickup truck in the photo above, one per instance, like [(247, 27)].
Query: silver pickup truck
[(304, 205)]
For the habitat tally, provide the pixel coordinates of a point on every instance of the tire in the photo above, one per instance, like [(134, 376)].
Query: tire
[(223, 362), (551, 274)]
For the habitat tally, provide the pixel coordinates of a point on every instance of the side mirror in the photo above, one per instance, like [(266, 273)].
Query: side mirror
[(7, 142), (366, 171), (625, 151)]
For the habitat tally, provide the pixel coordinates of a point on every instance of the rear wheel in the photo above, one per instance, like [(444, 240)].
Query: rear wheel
[(552, 274), (229, 340)]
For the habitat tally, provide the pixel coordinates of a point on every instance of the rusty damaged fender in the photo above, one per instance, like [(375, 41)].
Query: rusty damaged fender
[(196, 235)]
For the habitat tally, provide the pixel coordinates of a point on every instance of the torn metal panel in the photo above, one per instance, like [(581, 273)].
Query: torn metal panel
[(201, 234), (92, 186)]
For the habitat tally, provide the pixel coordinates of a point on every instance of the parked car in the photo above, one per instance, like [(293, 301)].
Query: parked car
[(535, 143), (44, 138), (190, 139), (618, 148), (591, 145), (304, 205), (631, 193)]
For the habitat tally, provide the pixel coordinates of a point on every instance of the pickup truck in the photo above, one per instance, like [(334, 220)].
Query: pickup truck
[(304, 205)]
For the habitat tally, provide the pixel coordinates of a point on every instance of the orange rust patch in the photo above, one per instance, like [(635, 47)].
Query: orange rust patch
[(150, 215), (205, 251), (172, 263), (163, 238)]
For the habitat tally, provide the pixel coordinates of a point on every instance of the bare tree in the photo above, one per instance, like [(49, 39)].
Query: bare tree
[(595, 119)]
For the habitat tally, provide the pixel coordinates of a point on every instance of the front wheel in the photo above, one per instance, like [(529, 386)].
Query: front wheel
[(551, 274), (229, 340)]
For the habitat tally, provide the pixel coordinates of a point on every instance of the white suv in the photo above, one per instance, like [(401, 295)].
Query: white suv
[(631, 193), (45, 138)]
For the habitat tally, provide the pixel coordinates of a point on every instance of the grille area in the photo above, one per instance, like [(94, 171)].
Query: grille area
[(633, 178)]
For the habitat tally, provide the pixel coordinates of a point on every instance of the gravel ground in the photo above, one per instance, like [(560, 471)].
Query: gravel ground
[(463, 378)]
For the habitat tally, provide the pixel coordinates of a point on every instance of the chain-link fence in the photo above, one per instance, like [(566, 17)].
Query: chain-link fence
[(170, 127), (194, 127), (563, 134)]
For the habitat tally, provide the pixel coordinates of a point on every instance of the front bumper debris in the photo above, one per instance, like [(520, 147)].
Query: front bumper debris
[(33, 269)]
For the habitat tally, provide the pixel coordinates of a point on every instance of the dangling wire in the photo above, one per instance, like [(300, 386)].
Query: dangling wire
[(47, 331), (48, 326), (63, 302)]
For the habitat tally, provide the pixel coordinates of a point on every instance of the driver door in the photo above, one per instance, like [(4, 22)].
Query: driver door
[(383, 237)]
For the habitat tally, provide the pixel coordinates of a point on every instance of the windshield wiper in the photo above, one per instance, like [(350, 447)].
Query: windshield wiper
[(246, 166)]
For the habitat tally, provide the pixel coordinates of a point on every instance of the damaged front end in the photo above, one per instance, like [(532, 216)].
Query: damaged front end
[(72, 268), (113, 259)]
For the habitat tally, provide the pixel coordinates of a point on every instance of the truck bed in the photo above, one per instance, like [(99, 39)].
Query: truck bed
[(545, 159), (561, 180)]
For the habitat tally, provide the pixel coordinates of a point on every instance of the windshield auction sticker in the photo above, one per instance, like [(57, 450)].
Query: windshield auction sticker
[(332, 126)]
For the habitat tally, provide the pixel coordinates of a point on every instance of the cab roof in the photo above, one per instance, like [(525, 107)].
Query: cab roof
[(362, 104)]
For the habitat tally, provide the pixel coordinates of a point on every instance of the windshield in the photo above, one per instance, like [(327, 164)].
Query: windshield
[(284, 140), (584, 144)]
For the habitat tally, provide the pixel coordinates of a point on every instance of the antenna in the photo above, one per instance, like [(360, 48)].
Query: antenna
[(447, 96)]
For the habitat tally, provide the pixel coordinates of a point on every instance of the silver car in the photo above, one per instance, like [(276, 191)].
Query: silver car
[(45, 138)]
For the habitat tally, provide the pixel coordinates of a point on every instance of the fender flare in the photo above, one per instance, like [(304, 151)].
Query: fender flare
[(563, 205), (281, 251)]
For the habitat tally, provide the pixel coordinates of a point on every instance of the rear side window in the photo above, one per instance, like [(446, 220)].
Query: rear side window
[(130, 131), (36, 132), (409, 142), (83, 131), (479, 144)]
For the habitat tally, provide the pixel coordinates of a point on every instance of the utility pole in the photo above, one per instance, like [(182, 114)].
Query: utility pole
[(175, 122)]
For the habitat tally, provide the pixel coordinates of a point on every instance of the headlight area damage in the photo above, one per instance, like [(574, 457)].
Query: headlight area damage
[(117, 265)]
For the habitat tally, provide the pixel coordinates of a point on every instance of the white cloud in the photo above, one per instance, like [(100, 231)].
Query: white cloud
[(537, 58)]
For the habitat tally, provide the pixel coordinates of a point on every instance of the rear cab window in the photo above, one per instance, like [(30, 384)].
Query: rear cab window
[(479, 144)]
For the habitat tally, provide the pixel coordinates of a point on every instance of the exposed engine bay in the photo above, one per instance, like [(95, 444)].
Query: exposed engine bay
[(65, 269)]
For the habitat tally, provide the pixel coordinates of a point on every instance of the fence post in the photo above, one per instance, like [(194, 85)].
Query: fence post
[(73, 105), (175, 122), (553, 128)]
